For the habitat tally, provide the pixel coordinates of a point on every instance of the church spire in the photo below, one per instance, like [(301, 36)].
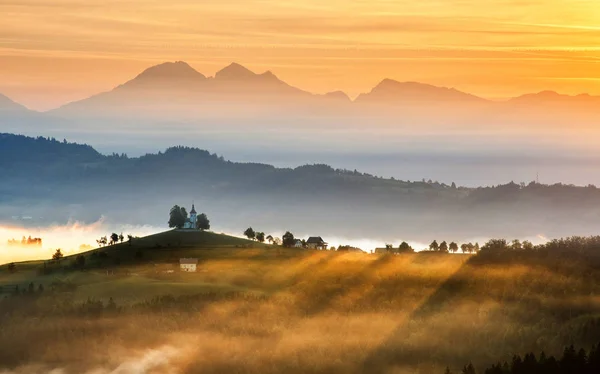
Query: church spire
[(193, 211)]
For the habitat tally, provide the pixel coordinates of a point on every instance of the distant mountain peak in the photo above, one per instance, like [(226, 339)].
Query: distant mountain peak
[(540, 96), (389, 89), (269, 74), (170, 70), (235, 71), (7, 103), (338, 95), (393, 85)]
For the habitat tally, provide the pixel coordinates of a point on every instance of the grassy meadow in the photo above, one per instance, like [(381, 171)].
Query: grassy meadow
[(254, 308)]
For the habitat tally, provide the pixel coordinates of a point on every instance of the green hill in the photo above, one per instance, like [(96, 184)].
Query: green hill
[(146, 266)]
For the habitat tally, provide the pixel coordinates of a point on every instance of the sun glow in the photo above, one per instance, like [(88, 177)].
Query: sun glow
[(493, 48)]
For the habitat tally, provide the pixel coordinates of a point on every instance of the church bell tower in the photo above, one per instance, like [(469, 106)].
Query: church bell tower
[(193, 217)]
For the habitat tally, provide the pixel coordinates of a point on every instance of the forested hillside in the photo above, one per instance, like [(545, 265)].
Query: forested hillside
[(44, 172)]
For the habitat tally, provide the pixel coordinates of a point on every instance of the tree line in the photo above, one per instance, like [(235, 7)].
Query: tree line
[(572, 361), (453, 247)]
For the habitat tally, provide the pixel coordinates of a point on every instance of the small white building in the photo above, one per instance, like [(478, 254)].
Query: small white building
[(191, 223), (188, 265)]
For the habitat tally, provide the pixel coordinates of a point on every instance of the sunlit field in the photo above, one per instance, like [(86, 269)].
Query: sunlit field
[(254, 308)]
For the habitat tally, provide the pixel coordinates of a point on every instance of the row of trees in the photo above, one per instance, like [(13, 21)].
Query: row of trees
[(113, 239), (453, 247), (26, 242), (259, 236), (571, 362), (287, 240)]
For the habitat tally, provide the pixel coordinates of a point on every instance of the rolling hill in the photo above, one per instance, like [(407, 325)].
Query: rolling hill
[(146, 258), (68, 181), (267, 309)]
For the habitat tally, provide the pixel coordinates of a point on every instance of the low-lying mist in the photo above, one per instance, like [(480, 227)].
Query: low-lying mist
[(321, 312), (70, 237), (469, 157), (75, 237)]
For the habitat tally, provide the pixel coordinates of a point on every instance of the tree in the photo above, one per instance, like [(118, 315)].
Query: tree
[(260, 236), (388, 246), (276, 241), (495, 245), (516, 245), (114, 238), (121, 237), (58, 255), (434, 246), (102, 241), (249, 233), (468, 369), (527, 245), (177, 217), (405, 247), (288, 239), (443, 246), (464, 247), (453, 247), (270, 239), (202, 222), (129, 239)]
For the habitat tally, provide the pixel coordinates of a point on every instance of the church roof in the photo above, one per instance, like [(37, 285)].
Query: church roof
[(193, 211)]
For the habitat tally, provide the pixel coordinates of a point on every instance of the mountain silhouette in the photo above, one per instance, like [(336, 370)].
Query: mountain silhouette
[(338, 96), (175, 89), (176, 92), (237, 80), (170, 70), (235, 71), (8, 105), (547, 97), (389, 90)]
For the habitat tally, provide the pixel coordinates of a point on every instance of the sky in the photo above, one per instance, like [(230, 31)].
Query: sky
[(53, 52)]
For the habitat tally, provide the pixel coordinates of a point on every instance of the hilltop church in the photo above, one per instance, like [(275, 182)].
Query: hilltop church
[(191, 223)]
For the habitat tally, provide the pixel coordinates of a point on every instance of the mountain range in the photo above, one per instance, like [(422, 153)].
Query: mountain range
[(174, 92), (236, 80)]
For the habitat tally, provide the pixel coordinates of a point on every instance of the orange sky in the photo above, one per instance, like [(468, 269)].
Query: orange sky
[(62, 50)]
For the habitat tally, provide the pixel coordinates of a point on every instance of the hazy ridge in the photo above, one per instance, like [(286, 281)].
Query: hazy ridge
[(51, 178)]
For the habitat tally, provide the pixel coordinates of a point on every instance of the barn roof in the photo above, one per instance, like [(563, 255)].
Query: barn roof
[(315, 240)]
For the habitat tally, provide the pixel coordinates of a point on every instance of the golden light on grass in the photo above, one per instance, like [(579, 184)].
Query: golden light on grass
[(320, 312)]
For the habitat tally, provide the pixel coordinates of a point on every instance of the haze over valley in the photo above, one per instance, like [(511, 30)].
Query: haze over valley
[(398, 129), (59, 183), (286, 186)]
